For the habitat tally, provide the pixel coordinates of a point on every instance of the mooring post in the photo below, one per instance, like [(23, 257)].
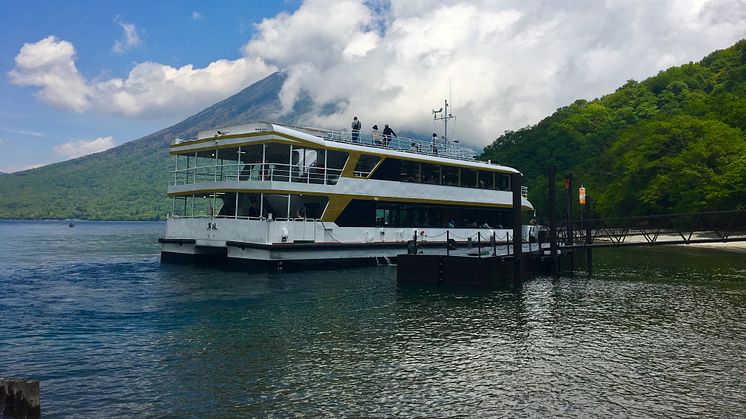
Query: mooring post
[(448, 243), (570, 231), (19, 398), (515, 183), (588, 236), (553, 218), (568, 207), (479, 244)]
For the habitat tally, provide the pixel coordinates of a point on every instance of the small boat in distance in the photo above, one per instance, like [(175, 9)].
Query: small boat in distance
[(278, 195)]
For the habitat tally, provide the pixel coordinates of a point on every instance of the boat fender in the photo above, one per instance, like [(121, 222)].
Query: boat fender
[(452, 245)]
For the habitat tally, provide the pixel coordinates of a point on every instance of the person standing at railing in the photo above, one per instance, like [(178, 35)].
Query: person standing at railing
[(387, 133), (356, 125), (376, 135), (255, 170)]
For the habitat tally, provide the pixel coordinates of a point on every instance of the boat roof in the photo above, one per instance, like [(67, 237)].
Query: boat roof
[(366, 142)]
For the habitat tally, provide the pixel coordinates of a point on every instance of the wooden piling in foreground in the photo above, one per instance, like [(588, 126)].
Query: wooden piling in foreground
[(19, 398)]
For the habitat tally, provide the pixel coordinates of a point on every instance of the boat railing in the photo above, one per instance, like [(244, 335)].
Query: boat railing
[(259, 172), (439, 148), (206, 216)]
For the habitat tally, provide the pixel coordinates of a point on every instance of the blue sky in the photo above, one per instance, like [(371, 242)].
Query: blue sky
[(171, 32), (81, 76)]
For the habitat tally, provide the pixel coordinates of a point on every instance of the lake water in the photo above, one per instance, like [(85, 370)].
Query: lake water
[(110, 331)]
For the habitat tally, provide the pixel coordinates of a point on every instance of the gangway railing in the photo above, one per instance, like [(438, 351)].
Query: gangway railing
[(681, 228)]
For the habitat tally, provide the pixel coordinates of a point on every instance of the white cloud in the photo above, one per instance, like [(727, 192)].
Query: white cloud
[(150, 89), (505, 64), (25, 132), (81, 148), (131, 37), (196, 16), (50, 65)]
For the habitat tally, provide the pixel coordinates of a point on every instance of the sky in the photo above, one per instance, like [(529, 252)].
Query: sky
[(79, 76)]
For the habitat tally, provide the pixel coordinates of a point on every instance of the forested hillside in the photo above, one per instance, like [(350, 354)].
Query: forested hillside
[(675, 142)]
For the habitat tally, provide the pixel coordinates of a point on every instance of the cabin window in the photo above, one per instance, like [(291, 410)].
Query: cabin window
[(365, 165), (335, 162), (389, 169), (450, 176), (431, 173), (364, 213), (503, 182), (486, 180), (469, 178), (358, 213), (410, 172)]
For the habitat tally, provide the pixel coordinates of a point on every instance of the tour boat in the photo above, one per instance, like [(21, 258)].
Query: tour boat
[(281, 195)]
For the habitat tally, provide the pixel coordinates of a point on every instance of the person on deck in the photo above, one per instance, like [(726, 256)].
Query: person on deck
[(387, 133), (376, 135), (356, 125)]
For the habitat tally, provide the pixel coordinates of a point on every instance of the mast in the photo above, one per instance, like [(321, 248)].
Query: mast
[(445, 117)]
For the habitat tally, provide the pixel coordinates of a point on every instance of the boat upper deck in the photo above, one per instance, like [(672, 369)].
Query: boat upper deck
[(345, 139)]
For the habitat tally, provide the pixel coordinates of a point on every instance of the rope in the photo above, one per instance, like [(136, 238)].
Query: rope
[(330, 233)]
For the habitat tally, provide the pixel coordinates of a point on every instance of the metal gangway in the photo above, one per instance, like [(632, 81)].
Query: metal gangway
[(654, 230)]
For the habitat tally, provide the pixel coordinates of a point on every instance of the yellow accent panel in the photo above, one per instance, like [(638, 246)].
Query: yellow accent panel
[(336, 205), (349, 168)]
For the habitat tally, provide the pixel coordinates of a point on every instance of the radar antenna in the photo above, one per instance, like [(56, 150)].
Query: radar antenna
[(444, 116)]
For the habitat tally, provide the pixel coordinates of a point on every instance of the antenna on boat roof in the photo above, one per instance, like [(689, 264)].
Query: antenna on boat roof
[(445, 117)]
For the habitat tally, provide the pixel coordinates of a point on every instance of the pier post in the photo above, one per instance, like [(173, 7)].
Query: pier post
[(568, 208), (515, 183), (448, 243), (588, 236), (19, 398), (568, 214), (552, 218), (479, 244)]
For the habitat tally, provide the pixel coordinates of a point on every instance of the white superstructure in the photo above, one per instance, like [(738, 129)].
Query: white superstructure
[(271, 193)]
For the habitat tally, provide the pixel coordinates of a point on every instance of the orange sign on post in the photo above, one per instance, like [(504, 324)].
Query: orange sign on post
[(581, 193)]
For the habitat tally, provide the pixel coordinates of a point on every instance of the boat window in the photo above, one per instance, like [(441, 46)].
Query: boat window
[(431, 173), (469, 178), (307, 206), (486, 180), (249, 204), (503, 182), (410, 172), (365, 165), (450, 176), (335, 162), (358, 213), (390, 169), (364, 213)]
